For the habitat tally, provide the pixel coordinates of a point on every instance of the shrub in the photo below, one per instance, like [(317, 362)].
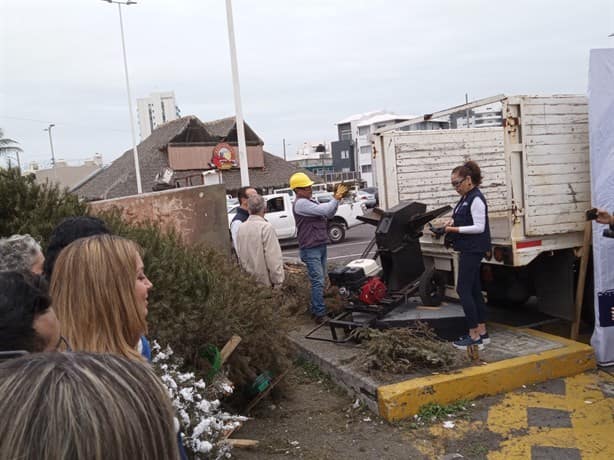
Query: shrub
[(28, 207), (201, 296)]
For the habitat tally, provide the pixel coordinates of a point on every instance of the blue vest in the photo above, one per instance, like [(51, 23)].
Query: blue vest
[(312, 231), (241, 215), (470, 242)]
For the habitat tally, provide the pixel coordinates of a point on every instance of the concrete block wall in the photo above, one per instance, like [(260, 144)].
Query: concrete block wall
[(197, 213)]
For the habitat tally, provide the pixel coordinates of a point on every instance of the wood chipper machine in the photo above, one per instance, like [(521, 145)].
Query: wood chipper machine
[(370, 289)]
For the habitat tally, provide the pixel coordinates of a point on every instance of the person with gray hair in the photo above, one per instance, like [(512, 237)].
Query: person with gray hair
[(258, 247), (21, 253)]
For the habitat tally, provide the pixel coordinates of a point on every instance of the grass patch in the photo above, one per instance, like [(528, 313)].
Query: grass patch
[(433, 412)]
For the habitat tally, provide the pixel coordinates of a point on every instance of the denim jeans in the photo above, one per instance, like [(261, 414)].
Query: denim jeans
[(469, 288), (315, 259)]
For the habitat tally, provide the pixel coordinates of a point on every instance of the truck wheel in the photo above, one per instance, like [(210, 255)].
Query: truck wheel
[(432, 287), (336, 233)]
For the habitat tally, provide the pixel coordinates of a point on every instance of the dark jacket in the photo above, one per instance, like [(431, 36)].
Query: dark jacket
[(469, 242), (241, 215)]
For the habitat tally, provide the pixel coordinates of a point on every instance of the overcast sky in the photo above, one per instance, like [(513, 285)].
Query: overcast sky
[(303, 64)]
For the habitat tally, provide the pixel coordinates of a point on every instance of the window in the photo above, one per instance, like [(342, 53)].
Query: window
[(366, 168), (364, 130), (275, 204), (345, 169), (365, 149), (345, 154)]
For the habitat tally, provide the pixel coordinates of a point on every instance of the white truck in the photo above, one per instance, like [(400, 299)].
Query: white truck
[(279, 214), (536, 182)]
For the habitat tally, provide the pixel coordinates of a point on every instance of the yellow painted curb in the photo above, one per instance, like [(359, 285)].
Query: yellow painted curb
[(404, 399)]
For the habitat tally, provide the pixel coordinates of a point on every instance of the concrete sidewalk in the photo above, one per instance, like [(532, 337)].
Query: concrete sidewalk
[(515, 357)]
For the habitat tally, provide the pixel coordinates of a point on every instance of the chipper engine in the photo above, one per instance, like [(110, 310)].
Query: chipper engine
[(372, 290)]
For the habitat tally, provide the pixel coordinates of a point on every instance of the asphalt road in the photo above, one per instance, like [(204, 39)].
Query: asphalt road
[(356, 240)]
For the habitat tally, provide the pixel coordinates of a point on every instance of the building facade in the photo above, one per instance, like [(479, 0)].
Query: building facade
[(64, 174), (155, 110), (355, 132)]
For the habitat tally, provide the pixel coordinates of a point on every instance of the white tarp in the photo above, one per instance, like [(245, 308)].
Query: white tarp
[(601, 131)]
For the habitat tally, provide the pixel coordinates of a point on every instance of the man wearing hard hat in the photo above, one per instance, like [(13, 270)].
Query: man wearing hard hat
[(312, 229)]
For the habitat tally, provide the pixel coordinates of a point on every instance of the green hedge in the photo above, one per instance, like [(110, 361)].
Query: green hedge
[(200, 296)]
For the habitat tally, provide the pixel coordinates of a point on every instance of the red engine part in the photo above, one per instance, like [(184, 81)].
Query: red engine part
[(373, 291)]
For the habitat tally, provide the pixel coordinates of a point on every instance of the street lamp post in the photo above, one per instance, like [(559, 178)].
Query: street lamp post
[(243, 166), (137, 168), (48, 129)]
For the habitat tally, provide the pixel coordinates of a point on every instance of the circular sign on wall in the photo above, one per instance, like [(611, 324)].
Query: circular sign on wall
[(224, 156)]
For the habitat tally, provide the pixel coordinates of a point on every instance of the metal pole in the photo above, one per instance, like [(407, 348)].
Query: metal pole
[(137, 168), (51, 145), (284, 149), (243, 166), (467, 111)]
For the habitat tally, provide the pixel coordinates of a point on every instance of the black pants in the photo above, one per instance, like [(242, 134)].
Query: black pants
[(469, 288)]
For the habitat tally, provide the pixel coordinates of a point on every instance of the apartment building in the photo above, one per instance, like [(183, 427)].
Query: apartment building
[(155, 110)]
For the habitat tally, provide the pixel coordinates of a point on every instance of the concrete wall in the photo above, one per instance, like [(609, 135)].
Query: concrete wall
[(198, 213)]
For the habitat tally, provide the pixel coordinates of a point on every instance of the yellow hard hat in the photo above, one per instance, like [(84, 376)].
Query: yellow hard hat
[(299, 180)]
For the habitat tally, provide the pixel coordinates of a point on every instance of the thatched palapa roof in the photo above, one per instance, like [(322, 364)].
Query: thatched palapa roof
[(119, 179)]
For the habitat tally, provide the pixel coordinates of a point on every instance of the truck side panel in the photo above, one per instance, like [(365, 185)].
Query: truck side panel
[(556, 173), (424, 161)]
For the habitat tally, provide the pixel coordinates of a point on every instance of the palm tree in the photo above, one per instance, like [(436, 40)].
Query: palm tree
[(8, 146)]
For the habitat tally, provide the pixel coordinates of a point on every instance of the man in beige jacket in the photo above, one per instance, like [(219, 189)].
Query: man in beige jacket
[(257, 246)]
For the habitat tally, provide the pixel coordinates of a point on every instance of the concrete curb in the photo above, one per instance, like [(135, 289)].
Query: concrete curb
[(404, 399)]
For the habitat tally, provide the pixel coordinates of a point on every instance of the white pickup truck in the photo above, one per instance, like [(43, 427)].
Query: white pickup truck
[(279, 214), (536, 182)]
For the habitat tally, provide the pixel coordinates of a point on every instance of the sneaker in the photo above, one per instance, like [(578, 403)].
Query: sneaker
[(485, 338), (463, 342)]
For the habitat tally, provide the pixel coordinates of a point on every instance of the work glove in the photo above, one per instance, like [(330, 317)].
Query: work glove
[(437, 231), (342, 191)]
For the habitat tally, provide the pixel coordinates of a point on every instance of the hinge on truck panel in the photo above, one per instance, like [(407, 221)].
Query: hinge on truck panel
[(511, 124), (516, 212)]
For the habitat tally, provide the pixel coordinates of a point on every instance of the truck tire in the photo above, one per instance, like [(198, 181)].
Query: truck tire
[(432, 287), (336, 232)]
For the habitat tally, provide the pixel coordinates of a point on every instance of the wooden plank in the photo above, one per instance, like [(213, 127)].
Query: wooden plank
[(586, 245), (573, 218), (563, 158), (580, 187), (555, 119), (557, 179), (557, 149), (540, 199), (493, 134), (559, 99), (547, 129), (557, 139), (230, 346), (546, 109), (561, 168), (557, 208), (454, 158), (242, 443)]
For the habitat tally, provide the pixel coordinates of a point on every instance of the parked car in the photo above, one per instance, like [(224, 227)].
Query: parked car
[(374, 192), (279, 214), (368, 199)]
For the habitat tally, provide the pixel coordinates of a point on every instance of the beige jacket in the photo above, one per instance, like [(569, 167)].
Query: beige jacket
[(259, 251)]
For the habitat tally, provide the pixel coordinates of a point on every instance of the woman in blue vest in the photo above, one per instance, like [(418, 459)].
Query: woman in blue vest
[(470, 236)]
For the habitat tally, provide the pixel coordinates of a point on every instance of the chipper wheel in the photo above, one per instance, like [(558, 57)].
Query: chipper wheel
[(432, 287)]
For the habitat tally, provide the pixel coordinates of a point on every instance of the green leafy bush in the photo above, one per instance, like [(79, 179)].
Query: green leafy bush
[(200, 296), (28, 207)]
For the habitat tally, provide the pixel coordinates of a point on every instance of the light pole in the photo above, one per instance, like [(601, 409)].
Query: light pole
[(243, 166), (137, 168), (48, 129)]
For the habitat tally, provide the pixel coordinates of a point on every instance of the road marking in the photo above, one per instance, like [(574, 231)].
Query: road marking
[(590, 412)]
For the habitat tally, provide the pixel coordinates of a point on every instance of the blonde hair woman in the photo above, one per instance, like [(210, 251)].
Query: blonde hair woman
[(84, 406), (99, 290)]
